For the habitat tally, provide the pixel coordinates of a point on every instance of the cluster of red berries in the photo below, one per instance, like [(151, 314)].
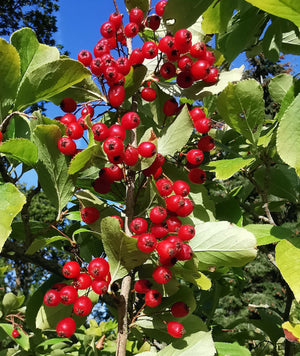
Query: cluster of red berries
[(172, 246), (181, 59), (95, 277), (74, 127)]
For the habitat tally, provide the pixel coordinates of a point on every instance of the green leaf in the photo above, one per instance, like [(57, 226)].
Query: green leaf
[(287, 260), (10, 76), (191, 9), (134, 79), (226, 349), (198, 341), (271, 42), (250, 22), (241, 106), (81, 92), (288, 135), (191, 274), (294, 316), (23, 340), (11, 302), (121, 249), (52, 166), (20, 149), (177, 134), (267, 234), (32, 53), (223, 244), (279, 86), (216, 17), (290, 42), (49, 79), (282, 181), (12, 201), (92, 155), (287, 9), (226, 168), (41, 243), (229, 209)]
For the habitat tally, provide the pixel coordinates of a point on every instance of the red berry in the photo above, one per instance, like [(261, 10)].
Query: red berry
[(186, 208), (158, 214), (185, 79), (206, 143), (58, 286), (175, 329), (114, 173), (170, 107), (52, 298), (186, 253), (164, 187), (167, 70), (113, 146), (149, 50), (68, 295), (173, 223), (183, 40), (173, 202), (195, 156), (153, 22), (68, 105), (82, 306), (147, 149), (185, 63), (152, 298), (159, 230), (181, 187), (71, 269), (196, 114), (197, 175), (162, 274), (100, 49), (213, 75), (116, 95), (148, 94), (160, 7), (100, 131), (98, 268), (87, 110), (179, 309), (83, 281), (74, 130), (138, 226), (123, 65), (66, 327), (15, 334), (136, 15), (101, 186), (146, 242), (209, 56), (131, 156), (116, 19), (89, 214), (203, 125), (136, 56), (166, 44), (130, 120), (117, 130), (85, 57), (131, 29), (200, 69), (108, 29), (198, 50), (142, 286), (186, 232), (100, 286), (166, 249)]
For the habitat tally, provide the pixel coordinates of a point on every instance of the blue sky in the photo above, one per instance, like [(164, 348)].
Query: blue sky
[(79, 28)]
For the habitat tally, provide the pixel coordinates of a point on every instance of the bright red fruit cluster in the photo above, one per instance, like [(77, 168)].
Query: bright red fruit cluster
[(95, 277), (177, 56)]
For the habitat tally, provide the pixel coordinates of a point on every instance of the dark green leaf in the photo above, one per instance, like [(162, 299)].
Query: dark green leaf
[(134, 79)]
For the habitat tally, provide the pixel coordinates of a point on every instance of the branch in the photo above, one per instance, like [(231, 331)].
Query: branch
[(36, 258)]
